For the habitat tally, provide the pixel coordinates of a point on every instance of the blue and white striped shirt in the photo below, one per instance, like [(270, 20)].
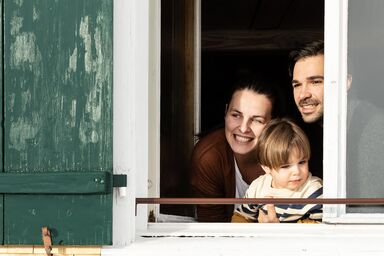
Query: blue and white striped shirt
[(261, 188)]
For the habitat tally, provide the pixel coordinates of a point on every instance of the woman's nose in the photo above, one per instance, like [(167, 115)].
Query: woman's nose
[(244, 127)]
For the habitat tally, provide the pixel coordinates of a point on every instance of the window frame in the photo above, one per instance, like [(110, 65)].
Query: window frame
[(130, 115), (334, 106), (335, 118), (136, 149)]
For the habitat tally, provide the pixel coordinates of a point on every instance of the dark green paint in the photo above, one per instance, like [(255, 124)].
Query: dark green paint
[(58, 114), (56, 183), (119, 180), (71, 219), (1, 121)]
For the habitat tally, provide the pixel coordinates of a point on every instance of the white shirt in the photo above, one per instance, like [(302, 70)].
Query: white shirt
[(241, 185)]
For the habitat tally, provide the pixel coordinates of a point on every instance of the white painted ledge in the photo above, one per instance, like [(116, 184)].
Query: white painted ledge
[(243, 239)]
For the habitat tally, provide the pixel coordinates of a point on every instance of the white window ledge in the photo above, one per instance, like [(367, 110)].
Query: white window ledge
[(242, 239)]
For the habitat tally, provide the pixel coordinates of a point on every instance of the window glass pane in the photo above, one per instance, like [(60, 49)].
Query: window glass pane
[(365, 110)]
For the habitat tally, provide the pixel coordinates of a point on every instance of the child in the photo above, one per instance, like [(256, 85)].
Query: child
[(283, 151)]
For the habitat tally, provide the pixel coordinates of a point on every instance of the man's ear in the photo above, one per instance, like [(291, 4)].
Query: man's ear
[(349, 81), (266, 168)]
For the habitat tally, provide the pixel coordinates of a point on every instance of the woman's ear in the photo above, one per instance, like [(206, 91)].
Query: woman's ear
[(266, 169)]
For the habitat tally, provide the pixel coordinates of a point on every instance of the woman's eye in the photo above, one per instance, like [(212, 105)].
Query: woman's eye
[(257, 120)]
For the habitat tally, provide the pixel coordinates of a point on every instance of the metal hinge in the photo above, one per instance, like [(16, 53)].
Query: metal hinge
[(120, 182)]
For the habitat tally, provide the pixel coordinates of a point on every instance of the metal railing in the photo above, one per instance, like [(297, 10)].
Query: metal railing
[(346, 201)]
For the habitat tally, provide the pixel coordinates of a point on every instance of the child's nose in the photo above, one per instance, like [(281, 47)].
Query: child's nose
[(295, 169)]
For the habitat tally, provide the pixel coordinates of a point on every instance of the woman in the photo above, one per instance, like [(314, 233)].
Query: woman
[(223, 162)]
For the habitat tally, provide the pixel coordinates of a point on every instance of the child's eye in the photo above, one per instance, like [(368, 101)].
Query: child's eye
[(303, 162), (285, 166)]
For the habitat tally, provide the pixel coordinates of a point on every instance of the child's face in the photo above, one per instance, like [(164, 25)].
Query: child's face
[(291, 175)]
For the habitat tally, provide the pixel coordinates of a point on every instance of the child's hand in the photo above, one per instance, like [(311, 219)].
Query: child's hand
[(270, 217)]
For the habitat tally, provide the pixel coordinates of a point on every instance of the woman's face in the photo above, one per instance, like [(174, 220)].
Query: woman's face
[(247, 114)]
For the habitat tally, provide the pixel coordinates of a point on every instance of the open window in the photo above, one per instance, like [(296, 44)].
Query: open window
[(205, 47), (145, 153), (136, 124), (137, 128)]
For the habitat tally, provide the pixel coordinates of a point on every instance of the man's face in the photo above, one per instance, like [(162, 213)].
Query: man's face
[(308, 87)]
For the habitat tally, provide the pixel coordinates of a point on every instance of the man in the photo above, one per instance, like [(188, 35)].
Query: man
[(306, 67), (365, 122), (307, 71)]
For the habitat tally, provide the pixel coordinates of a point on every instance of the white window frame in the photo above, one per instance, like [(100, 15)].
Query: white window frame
[(335, 109), (131, 76), (335, 37), (137, 122)]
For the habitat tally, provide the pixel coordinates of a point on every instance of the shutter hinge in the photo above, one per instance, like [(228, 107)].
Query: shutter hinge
[(120, 182)]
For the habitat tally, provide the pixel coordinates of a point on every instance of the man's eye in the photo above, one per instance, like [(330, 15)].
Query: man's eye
[(315, 82), (296, 85)]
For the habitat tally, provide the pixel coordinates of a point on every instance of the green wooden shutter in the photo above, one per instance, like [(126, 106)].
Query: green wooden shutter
[(1, 122), (57, 117)]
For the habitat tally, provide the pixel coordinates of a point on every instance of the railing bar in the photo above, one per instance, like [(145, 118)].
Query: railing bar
[(347, 201)]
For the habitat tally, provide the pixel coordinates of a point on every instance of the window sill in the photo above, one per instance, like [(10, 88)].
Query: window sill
[(258, 230), (230, 239)]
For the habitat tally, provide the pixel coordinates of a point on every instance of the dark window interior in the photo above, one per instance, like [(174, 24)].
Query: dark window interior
[(238, 37)]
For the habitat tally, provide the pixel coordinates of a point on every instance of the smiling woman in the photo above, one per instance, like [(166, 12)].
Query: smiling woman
[(224, 162), (246, 116)]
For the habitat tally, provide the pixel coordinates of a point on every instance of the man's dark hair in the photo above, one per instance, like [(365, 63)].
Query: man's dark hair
[(308, 50)]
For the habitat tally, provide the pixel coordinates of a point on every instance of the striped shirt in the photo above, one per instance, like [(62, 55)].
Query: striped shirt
[(261, 188)]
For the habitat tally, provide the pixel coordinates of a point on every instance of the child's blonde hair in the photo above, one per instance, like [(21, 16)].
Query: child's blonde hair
[(279, 138)]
